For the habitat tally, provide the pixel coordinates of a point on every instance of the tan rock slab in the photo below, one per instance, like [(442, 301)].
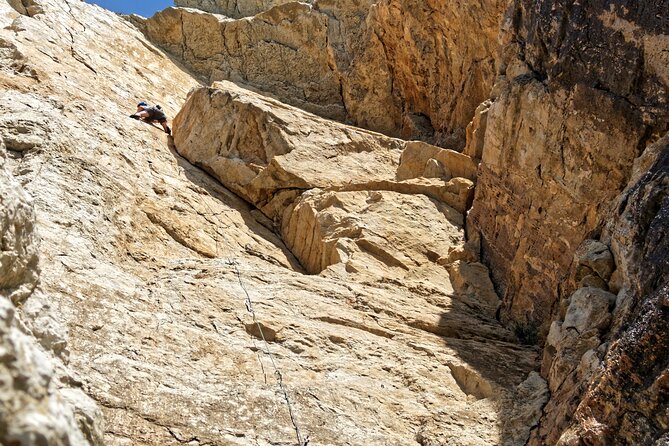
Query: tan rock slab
[(154, 308), (370, 232), (417, 154), (233, 8)]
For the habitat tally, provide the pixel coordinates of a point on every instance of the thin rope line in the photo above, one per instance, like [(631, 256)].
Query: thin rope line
[(249, 307), (277, 372)]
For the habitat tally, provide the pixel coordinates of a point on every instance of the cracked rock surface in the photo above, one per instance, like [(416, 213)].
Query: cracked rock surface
[(233, 8), (40, 402), (561, 138), (570, 208), (146, 261), (405, 68)]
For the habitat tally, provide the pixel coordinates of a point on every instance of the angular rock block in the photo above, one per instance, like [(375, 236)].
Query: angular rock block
[(261, 149)]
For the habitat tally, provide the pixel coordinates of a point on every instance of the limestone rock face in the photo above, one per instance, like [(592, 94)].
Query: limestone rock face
[(150, 265), (178, 275), (363, 231), (578, 114), (267, 152), (587, 366), (636, 365), (35, 408), (18, 251), (234, 8), (405, 68), (283, 51), (561, 138), (425, 68)]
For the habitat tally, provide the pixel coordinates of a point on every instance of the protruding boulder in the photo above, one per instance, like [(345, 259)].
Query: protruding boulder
[(589, 309), (593, 256), (257, 146), (417, 154), (372, 233), (263, 149)]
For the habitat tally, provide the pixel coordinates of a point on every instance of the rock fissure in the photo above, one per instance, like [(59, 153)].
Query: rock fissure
[(343, 40), (396, 332), (76, 56)]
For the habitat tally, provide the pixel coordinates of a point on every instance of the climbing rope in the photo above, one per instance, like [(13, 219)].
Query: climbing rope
[(301, 441)]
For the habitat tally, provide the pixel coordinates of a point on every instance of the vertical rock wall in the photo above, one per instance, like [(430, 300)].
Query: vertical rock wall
[(607, 369), (570, 210), (425, 67), (627, 399), (583, 90), (405, 68)]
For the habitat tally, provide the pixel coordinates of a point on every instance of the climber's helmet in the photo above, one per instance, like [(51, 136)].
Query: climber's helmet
[(142, 104)]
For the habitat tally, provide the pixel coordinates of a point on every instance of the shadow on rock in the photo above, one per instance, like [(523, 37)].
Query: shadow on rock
[(254, 220), (492, 366)]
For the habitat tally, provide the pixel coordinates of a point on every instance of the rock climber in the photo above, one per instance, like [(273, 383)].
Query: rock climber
[(151, 114)]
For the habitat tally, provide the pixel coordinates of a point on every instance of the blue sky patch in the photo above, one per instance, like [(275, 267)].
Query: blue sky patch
[(144, 8)]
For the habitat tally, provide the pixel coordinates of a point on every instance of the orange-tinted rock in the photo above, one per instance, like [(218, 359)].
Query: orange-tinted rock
[(404, 68)]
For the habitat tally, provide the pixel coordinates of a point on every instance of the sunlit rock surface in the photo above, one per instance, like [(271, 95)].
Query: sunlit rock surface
[(234, 8), (405, 68), (146, 261), (133, 264), (561, 138)]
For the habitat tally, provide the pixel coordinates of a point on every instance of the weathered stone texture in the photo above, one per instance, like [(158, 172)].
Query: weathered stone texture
[(425, 68), (283, 51), (392, 336), (234, 8), (636, 366), (34, 409), (404, 68), (269, 153), (146, 259), (266, 152), (18, 245), (589, 376), (258, 146), (363, 231), (578, 112), (561, 137)]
